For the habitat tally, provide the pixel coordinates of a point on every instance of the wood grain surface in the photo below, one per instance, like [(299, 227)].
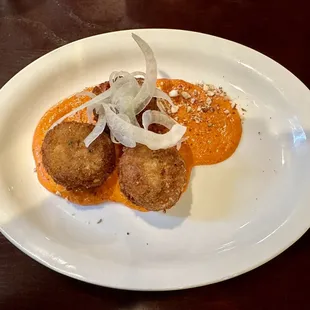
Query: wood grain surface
[(277, 28)]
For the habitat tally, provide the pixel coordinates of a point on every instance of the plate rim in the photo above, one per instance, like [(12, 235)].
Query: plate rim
[(298, 233)]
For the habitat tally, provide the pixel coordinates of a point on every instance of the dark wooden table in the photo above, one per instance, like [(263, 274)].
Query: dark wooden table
[(277, 28)]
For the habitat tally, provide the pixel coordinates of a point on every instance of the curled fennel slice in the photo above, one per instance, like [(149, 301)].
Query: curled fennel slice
[(118, 106)]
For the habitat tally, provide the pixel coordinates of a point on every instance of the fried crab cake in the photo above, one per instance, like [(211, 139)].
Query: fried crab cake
[(154, 180), (70, 163)]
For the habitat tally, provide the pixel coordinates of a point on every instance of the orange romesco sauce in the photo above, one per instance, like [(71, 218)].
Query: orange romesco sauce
[(213, 135), (213, 124)]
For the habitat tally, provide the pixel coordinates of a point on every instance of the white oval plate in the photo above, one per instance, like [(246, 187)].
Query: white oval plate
[(234, 216)]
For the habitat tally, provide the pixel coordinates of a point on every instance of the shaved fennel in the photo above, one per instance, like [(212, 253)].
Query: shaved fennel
[(118, 106)]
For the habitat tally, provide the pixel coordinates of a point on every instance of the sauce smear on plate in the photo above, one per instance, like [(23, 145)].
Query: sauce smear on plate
[(213, 134)]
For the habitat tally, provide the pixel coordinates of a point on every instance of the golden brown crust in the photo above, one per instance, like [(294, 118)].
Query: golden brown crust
[(101, 88), (151, 106), (154, 180), (70, 163)]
